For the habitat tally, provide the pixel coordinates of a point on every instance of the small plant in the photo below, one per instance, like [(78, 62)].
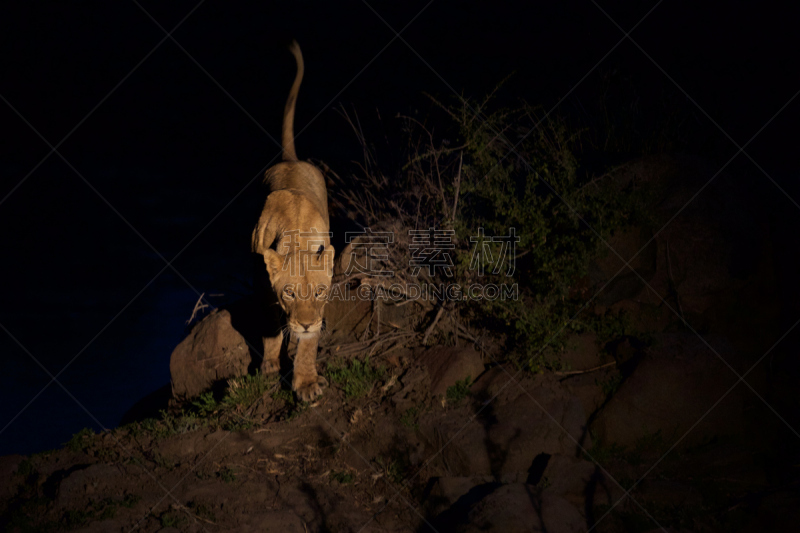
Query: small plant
[(394, 469), (602, 452), (206, 404), (76, 518), (172, 519), (240, 424), (107, 455), (284, 395), (227, 474), (80, 440), (130, 500), (176, 424), (345, 478), (648, 443), (538, 364), (410, 418), (244, 391), (610, 386), (163, 462), (459, 391), (356, 378), (298, 409), (203, 511), (109, 511), (148, 425), (25, 468), (295, 408)]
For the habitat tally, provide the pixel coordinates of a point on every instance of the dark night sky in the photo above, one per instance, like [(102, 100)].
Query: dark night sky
[(163, 157)]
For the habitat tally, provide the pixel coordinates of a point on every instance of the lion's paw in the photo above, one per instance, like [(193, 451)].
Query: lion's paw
[(270, 366), (308, 391)]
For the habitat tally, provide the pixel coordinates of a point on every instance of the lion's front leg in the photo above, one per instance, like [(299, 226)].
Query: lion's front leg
[(272, 354), (305, 381)]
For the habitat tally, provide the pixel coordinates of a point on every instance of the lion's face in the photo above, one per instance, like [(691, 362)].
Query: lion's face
[(302, 282)]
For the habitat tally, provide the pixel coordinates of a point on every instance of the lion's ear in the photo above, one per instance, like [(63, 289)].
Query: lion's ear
[(326, 249), (273, 260), (329, 252)]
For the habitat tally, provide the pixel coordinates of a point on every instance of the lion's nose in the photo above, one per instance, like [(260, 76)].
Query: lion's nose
[(305, 326)]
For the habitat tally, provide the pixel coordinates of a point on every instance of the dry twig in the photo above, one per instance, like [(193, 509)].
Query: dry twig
[(576, 372), (433, 325)]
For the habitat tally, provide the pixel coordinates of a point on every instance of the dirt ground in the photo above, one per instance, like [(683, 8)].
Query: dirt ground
[(393, 457)]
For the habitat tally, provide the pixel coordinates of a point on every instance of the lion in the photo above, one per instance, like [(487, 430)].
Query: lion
[(292, 235)]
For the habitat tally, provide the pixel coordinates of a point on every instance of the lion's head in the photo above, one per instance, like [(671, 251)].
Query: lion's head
[(302, 281)]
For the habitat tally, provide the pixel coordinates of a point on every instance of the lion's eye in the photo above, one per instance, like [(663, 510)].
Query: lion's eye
[(320, 291), (288, 291)]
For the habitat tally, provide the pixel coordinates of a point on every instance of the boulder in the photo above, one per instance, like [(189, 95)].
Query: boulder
[(10, 471), (521, 508), (516, 422), (579, 481), (675, 385), (711, 257), (447, 365), (213, 351), (447, 490), (582, 353), (83, 483)]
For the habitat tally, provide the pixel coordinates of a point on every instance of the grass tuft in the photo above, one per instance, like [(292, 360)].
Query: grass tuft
[(459, 391), (355, 378)]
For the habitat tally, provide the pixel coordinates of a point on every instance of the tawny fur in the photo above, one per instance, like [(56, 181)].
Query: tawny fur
[(292, 236)]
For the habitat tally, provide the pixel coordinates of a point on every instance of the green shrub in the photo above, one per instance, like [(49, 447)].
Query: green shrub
[(244, 391), (227, 474), (459, 391), (172, 519), (80, 440), (493, 170), (410, 418), (345, 478), (355, 378)]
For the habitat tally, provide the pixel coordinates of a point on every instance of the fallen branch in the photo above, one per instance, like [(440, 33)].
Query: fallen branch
[(458, 186), (199, 307), (433, 325), (346, 349), (576, 372)]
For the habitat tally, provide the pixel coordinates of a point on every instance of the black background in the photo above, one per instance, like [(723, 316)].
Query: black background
[(168, 163)]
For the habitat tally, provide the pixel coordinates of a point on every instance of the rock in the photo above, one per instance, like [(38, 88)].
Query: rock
[(10, 471), (675, 384), (626, 284), (521, 508), (579, 482), (446, 491), (512, 429), (581, 352), (84, 482), (669, 493), (567, 475), (448, 365), (284, 521), (592, 389), (413, 384), (711, 259), (673, 530), (213, 351)]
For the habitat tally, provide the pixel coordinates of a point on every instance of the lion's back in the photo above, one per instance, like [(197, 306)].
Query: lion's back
[(301, 177)]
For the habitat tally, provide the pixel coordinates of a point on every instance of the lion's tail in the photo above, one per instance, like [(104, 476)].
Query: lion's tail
[(288, 112)]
